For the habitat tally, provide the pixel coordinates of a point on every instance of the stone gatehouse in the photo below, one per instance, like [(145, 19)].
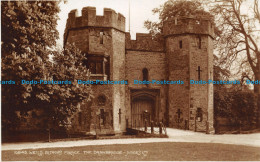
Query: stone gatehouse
[(184, 53)]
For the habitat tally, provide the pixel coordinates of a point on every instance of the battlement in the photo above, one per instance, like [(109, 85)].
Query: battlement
[(143, 42), (188, 25), (89, 18)]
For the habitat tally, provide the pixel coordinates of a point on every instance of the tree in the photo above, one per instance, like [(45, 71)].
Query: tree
[(238, 42), (175, 8), (28, 33), (63, 100), (28, 38)]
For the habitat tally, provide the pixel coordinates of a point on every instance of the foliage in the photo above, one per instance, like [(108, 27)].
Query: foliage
[(176, 8), (28, 38), (235, 105), (238, 43), (63, 100), (29, 27), (239, 36)]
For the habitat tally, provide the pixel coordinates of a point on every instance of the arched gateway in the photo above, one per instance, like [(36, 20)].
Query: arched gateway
[(144, 107)]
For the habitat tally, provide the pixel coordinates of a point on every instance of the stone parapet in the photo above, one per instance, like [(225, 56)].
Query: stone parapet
[(144, 42), (89, 18), (188, 25)]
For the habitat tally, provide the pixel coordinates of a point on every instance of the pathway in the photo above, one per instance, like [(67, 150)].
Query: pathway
[(175, 135)]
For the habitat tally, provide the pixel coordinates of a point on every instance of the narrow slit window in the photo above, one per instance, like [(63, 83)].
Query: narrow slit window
[(101, 37), (199, 115), (199, 42), (145, 74), (180, 44)]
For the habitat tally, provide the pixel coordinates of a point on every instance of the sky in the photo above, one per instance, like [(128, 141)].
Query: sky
[(140, 11)]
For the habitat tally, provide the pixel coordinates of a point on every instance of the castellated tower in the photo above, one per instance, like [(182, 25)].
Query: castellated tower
[(102, 39), (185, 53), (189, 53)]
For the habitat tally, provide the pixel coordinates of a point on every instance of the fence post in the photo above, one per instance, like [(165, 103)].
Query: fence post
[(145, 125), (49, 133), (152, 130), (195, 125), (186, 124), (160, 127), (240, 123)]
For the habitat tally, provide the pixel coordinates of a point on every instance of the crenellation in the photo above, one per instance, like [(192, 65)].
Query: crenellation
[(144, 42), (89, 18), (188, 25)]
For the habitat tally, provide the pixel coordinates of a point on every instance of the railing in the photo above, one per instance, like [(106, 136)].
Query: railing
[(155, 128), (144, 123)]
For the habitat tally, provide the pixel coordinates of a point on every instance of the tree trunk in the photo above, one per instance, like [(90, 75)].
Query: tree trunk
[(257, 100), (257, 94)]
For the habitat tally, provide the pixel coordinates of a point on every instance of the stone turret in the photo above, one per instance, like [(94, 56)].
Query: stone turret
[(189, 52), (102, 40)]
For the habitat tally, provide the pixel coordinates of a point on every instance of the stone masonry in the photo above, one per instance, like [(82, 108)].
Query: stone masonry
[(184, 53)]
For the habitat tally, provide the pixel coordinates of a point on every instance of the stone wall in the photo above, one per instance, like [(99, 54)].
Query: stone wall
[(178, 69), (110, 19), (85, 32), (187, 44), (144, 42), (106, 127), (188, 25), (155, 63), (88, 40), (199, 92), (117, 70), (210, 46)]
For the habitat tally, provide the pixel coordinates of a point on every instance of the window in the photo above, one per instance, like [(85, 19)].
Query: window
[(95, 66), (98, 65), (92, 67), (145, 74), (101, 37), (180, 44), (99, 68), (199, 42), (199, 115)]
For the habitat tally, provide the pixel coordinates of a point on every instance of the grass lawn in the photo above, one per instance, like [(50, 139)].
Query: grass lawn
[(173, 151)]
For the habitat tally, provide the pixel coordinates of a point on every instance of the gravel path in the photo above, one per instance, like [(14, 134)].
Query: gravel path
[(175, 135)]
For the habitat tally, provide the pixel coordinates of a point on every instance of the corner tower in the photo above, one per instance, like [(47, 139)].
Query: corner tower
[(189, 52), (102, 39)]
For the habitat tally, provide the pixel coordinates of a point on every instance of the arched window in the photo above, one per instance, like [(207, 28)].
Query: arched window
[(145, 74)]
